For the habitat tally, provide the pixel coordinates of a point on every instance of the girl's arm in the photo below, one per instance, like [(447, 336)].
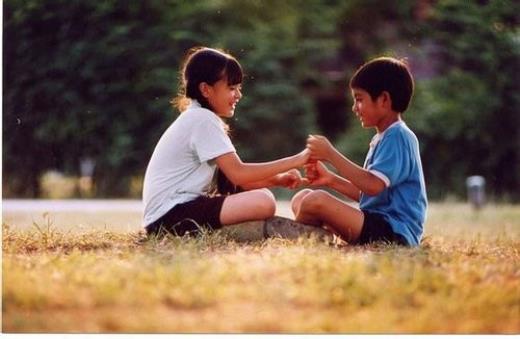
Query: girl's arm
[(241, 174), (290, 179)]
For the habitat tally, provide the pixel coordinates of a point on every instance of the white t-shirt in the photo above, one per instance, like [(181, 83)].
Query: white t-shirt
[(182, 165)]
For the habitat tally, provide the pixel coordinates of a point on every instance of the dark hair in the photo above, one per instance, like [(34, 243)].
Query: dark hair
[(208, 65), (386, 74)]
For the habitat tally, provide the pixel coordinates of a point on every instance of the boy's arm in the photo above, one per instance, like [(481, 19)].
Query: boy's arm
[(345, 187), (367, 182), (321, 176)]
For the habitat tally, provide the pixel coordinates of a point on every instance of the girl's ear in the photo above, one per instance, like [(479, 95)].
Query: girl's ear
[(204, 89)]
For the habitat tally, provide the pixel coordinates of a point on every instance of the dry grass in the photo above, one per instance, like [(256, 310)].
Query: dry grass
[(465, 278)]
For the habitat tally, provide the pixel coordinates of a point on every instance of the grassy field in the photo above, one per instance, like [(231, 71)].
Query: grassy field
[(72, 274)]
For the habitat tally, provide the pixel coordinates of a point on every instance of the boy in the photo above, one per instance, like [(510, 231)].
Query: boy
[(390, 186)]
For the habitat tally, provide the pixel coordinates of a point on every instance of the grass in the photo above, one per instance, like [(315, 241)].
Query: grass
[(464, 278)]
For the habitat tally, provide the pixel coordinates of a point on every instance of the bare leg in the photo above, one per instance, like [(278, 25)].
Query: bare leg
[(256, 204), (319, 207), (297, 200)]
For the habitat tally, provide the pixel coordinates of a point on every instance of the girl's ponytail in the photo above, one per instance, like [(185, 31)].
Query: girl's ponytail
[(181, 103)]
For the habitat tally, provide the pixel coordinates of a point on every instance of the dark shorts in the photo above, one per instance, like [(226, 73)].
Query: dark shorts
[(189, 217), (377, 229), (192, 217)]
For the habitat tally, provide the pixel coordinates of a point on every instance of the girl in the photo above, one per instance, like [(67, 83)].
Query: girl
[(179, 192)]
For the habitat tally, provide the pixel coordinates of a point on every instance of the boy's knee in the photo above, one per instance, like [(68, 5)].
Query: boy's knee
[(313, 201), (297, 198), (300, 195)]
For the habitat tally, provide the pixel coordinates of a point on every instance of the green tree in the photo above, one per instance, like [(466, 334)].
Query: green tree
[(468, 116), (94, 79), (83, 79)]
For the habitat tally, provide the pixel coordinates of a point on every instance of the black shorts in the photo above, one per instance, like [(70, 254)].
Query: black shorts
[(191, 217), (376, 228)]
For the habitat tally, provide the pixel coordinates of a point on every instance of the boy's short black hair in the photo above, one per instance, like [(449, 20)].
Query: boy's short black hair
[(386, 74)]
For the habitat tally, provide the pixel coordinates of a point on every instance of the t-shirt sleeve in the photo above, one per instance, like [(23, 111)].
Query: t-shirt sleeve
[(209, 139), (391, 161)]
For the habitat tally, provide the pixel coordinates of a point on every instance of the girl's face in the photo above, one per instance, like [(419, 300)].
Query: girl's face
[(223, 97), (366, 109)]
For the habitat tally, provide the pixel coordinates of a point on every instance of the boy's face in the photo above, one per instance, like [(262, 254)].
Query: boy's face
[(367, 110)]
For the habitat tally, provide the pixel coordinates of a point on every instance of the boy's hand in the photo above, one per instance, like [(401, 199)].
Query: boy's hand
[(310, 171), (290, 179), (320, 147), (318, 174)]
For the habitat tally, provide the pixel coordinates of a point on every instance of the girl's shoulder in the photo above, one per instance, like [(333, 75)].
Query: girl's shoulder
[(195, 107), (200, 117), (198, 113)]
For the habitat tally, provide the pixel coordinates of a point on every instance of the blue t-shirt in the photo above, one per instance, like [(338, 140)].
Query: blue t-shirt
[(394, 158)]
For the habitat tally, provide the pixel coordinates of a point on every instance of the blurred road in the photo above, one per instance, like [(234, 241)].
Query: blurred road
[(116, 215), (85, 205), (80, 205)]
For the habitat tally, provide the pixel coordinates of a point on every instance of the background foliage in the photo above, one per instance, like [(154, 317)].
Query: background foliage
[(92, 79)]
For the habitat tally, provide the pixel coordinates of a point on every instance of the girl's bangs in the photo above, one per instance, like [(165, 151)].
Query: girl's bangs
[(233, 72)]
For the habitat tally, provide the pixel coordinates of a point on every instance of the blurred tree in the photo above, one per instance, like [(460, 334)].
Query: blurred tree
[(83, 79), (94, 80), (468, 116)]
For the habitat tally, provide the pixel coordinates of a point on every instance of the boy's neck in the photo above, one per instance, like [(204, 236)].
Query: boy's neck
[(387, 121)]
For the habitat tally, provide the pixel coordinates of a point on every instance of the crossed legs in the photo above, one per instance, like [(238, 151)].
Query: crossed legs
[(313, 207), (322, 209)]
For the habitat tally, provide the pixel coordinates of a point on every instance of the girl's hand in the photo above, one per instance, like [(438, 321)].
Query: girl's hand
[(302, 157), (320, 147), (318, 174), (290, 179)]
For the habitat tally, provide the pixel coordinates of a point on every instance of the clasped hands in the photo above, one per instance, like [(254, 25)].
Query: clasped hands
[(315, 172)]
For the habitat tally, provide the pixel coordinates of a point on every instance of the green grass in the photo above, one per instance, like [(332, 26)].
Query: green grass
[(464, 278)]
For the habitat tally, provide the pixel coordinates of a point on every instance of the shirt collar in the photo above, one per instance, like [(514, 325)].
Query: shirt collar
[(375, 140), (194, 104)]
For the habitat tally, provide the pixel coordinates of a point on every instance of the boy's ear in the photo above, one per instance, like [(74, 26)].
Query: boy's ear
[(385, 99), (204, 89)]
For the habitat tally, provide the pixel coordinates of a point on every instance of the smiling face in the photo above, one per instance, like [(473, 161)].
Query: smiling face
[(366, 109), (222, 97), (376, 113)]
